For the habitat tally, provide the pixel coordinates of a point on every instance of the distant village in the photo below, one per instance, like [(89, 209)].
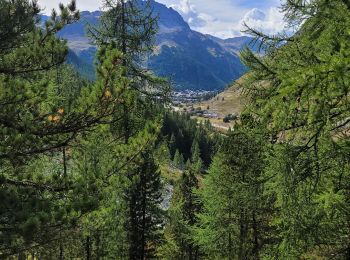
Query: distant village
[(192, 96), (191, 102)]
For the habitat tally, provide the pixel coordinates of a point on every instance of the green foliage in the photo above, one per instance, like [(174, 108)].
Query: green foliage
[(63, 163), (182, 218), (172, 145), (145, 218), (124, 22), (299, 91), (301, 87), (179, 161), (131, 26), (181, 132), (196, 156), (79, 175), (235, 210)]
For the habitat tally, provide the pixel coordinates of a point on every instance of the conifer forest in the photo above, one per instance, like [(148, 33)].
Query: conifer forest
[(104, 168)]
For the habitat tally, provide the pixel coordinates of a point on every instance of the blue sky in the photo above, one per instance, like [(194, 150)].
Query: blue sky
[(221, 18)]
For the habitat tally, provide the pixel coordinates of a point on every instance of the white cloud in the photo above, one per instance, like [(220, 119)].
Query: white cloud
[(190, 14), (270, 23), (221, 18), (184, 7), (225, 20)]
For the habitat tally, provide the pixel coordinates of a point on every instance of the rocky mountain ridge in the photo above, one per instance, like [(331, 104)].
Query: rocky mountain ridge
[(191, 60)]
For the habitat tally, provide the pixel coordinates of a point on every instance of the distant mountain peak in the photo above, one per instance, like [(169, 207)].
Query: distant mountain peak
[(190, 59)]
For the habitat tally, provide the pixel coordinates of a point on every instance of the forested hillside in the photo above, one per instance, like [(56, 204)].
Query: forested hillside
[(105, 169)]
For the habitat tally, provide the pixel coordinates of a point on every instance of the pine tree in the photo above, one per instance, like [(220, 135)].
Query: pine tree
[(32, 125), (19, 33), (189, 209), (162, 154), (180, 142), (172, 145), (145, 216), (231, 223), (179, 160), (287, 81), (196, 156)]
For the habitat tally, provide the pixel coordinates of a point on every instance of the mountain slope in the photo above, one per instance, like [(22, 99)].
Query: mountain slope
[(83, 66), (236, 44), (191, 60), (229, 101)]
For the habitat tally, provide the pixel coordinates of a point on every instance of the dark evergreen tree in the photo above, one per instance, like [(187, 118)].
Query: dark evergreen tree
[(185, 131), (181, 142), (196, 156), (190, 208), (179, 160), (172, 146), (145, 218)]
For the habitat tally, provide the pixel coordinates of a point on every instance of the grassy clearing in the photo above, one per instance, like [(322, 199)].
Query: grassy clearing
[(230, 101)]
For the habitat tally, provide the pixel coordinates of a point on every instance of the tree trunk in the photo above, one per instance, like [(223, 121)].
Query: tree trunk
[(190, 252), (124, 50), (21, 256), (242, 235), (143, 221), (242, 229), (64, 162), (230, 246), (230, 251), (256, 238), (98, 254), (123, 31), (87, 248), (61, 251)]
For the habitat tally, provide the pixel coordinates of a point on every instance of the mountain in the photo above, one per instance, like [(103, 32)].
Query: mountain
[(191, 60), (236, 44), (83, 63)]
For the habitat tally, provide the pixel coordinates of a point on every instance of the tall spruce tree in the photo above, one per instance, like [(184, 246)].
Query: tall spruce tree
[(190, 208), (145, 218), (172, 146), (179, 161), (131, 26), (196, 156)]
